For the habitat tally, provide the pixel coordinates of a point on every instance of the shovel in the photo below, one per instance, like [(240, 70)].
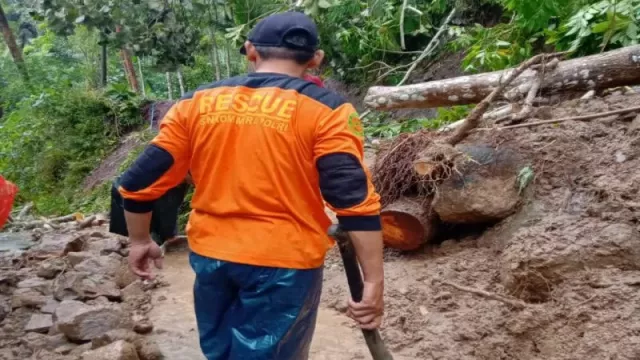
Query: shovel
[(354, 278)]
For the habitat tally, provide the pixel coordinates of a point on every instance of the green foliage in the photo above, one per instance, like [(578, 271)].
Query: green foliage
[(51, 142), (581, 26), (600, 26), (525, 176), (381, 127), (151, 27)]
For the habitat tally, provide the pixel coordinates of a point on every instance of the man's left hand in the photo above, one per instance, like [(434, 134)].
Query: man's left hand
[(141, 254)]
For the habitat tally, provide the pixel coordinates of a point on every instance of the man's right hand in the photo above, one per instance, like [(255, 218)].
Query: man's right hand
[(368, 312), (141, 253)]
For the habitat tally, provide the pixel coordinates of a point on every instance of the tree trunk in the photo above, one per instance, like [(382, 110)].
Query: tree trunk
[(169, 87), (129, 69), (615, 68), (142, 85), (10, 40), (104, 61), (215, 60), (180, 81), (408, 223), (228, 61)]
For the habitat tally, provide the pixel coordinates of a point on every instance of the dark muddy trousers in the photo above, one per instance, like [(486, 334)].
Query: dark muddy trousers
[(249, 312), (164, 220)]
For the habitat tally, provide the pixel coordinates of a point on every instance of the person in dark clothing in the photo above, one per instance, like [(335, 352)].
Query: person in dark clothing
[(164, 223)]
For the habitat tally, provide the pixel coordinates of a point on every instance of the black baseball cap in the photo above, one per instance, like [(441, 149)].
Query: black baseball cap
[(291, 30)]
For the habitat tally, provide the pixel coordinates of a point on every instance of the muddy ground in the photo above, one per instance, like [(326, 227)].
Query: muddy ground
[(571, 255)]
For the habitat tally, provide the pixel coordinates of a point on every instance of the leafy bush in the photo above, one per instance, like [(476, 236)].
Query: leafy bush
[(380, 127), (581, 26), (51, 142)]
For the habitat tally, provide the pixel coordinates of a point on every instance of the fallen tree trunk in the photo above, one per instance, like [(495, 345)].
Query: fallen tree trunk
[(408, 223), (615, 68)]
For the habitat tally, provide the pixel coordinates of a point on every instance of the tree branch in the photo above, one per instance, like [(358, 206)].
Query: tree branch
[(429, 49)]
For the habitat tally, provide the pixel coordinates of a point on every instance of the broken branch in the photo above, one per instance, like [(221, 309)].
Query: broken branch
[(476, 114), (573, 118), (86, 222), (485, 294), (25, 210), (429, 49)]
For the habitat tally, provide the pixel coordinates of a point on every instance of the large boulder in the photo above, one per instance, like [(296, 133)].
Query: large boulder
[(81, 322), (483, 188)]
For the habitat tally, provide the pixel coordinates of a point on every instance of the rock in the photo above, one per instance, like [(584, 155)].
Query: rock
[(50, 268), (39, 285), (40, 323), (148, 350), (79, 350), (620, 157), (50, 307), (484, 189), (75, 258), (8, 278), (5, 307), (142, 324), (120, 350), (100, 300), (47, 355), (83, 286), (59, 244), (104, 246), (106, 265), (134, 294), (28, 298), (35, 341), (98, 234), (80, 322), (113, 336), (124, 277), (65, 349)]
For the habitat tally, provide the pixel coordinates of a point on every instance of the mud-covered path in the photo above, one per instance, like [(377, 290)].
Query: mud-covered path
[(177, 335)]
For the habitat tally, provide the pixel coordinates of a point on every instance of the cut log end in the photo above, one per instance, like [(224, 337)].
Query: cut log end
[(407, 225), (402, 231)]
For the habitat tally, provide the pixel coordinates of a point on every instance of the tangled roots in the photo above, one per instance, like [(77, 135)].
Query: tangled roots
[(393, 173)]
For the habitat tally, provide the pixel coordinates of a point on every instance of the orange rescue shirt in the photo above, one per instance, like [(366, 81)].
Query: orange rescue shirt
[(265, 152)]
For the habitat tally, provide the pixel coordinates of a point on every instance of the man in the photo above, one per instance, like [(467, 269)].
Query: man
[(264, 151)]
